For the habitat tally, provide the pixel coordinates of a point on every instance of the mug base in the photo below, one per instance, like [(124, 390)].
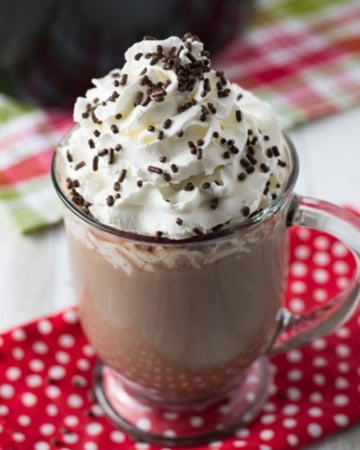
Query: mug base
[(183, 424)]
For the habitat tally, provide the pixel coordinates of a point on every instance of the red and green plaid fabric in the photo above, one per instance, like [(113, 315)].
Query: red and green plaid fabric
[(301, 57)]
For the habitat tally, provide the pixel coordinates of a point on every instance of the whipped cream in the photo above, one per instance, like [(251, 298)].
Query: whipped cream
[(168, 147)]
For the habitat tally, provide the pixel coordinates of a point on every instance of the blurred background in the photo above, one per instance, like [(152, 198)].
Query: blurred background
[(49, 49)]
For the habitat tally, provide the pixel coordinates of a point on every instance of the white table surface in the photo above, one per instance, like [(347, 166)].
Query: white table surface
[(34, 270)]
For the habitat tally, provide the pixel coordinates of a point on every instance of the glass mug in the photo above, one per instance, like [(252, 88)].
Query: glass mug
[(183, 329)]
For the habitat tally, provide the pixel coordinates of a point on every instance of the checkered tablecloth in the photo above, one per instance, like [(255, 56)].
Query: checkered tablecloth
[(302, 57)]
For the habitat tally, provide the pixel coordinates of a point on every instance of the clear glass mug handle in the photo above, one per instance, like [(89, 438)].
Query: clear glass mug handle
[(294, 330)]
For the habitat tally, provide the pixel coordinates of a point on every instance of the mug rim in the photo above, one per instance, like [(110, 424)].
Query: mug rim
[(232, 228)]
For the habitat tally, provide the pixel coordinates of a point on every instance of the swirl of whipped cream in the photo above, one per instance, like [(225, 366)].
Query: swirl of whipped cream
[(166, 146)]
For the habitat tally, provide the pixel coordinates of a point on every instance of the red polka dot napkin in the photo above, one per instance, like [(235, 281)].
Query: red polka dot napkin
[(46, 368)]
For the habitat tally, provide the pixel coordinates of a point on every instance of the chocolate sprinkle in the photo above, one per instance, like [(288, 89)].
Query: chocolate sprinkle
[(139, 98), (97, 133), (123, 80), (275, 151), (114, 128), (162, 159), (110, 200), (199, 153), (179, 221), (206, 185), (167, 123), (250, 170), (174, 168), (151, 128), (116, 186), (80, 165), (139, 183), (122, 175), (155, 169), (264, 168), (118, 147), (85, 115), (95, 163), (103, 152), (91, 143), (281, 163), (214, 203), (238, 115), (226, 155), (111, 156), (118, 116), (116, 83), (69, 156), (180, 133), (241, 176), (245, 211), (161, 135), (189, 187), (215, 134), (166, 176), (197, 231), (159, 234)]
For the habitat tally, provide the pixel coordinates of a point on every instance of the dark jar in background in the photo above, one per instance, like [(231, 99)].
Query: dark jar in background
[(50, 49)]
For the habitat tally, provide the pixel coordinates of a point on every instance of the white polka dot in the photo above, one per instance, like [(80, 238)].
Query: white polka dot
[(341, 383), (62, 357), (340, 267), (170, 415), (44, 326), (141, 446), (242, 432), (169, 434), (302, 252), (18, 334), (294, 394), (36, 365), (319, 379), (18, 437), (71, 316), (269, 407), (315, 412), (18, 353), (298, 287), (294, 356), (88, 350), (341, 420), (4, 410), (321, 276), (56, 372), (339, 250), (296, 305), (294, 375), (215, 444), (33, 381), (321, 258), (266, 435), (343, 367), (343, 333), (289, 422), (341, 400), (343, 351), (265, 447), (52, 392), (342, 282), (117, 437), (66, 340), (292, 440), (13, 373), (28, 399), (83, 364), (46, 429), (94, 428), (316, 397), (319, 344), (267, 419), (52, 410), (6, 391), (196, 421), (24, 420), (40, 347), (74, 401), (321, 243), (70, 438), (319, 362), (303, 233), (290, 410), (41, 445), (314, 430), (71, 421), (98, 411), (320, 295), (239, 444), (298, 269), (90, 446)]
